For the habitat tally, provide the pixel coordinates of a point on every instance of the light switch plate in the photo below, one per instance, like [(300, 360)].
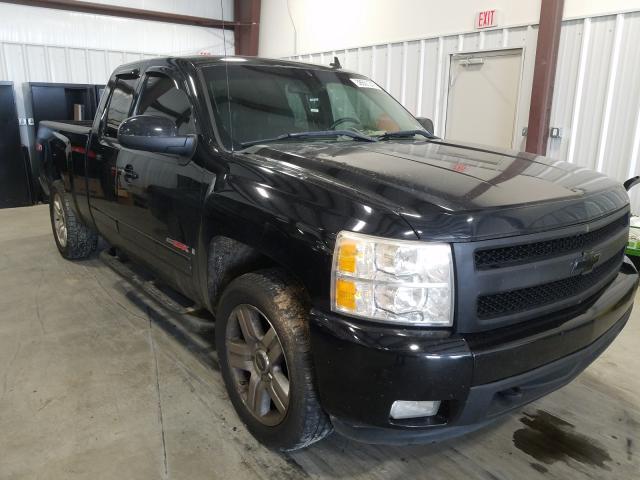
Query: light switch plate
[(31, 122), (555, 132)]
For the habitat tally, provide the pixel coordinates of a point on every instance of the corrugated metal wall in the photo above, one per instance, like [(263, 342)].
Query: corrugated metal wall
[(596, 100)]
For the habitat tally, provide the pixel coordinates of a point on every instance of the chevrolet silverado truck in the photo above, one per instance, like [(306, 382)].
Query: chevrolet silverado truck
[(364, 275)]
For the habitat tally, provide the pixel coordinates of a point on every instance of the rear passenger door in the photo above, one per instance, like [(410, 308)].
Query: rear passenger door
[(102, 156), (161, 215)]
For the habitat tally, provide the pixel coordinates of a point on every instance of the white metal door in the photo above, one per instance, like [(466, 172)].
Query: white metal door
[(483, 97)]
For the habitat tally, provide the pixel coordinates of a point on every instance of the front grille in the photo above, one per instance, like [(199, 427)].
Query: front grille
[(514, 301), (505, 256)]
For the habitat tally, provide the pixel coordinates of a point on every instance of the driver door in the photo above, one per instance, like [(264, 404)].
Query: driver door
[(161, 194)]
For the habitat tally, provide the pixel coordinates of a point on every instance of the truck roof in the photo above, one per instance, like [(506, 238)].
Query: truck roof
[(199, 61)]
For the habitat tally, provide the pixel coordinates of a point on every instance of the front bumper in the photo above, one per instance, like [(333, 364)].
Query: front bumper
[(362, 368)]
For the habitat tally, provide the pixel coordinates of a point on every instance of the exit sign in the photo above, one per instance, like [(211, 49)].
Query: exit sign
[(487, 19)]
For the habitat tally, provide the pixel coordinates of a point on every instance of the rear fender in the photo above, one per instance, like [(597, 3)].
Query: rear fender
[(57, 159)]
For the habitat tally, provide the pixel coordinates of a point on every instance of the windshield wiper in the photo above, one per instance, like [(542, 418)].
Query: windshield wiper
[(312, 134), (405, 134)]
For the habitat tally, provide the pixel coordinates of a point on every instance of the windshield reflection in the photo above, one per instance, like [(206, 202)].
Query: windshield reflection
[(267, 103)]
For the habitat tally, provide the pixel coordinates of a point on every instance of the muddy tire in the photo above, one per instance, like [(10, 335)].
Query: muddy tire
[(73, 239), (262, 339)]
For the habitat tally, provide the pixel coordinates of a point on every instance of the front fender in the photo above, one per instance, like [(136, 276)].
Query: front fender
[(289, 219)]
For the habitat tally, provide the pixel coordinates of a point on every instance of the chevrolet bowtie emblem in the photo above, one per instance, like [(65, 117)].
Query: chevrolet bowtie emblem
[(585, 262)]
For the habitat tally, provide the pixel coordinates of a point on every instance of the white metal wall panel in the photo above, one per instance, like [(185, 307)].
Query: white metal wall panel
[(132, 57), (565, 84), (15, 70), (41, 26), (493, 39), (3, 63), (351, 59), (365, 58), (411, 74), (592, 94), (621, 152), (379, 65), (77, 65), (197, 8), (596, 101), (57, 64), (14, 62), (97, 66), (36, 64), (426, 87), (394, 81), (624, 103), (114, 59)]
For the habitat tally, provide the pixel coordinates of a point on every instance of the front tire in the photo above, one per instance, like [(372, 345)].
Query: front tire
[(262, 339), (73, 239)]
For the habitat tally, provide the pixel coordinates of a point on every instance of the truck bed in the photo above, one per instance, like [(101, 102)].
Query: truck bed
[(71, 126)]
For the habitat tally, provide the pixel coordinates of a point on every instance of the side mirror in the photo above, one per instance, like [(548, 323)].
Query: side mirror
[(427, 124), (155, 134)]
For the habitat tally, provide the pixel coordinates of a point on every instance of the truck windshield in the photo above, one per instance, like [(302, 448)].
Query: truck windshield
[(272, 102)]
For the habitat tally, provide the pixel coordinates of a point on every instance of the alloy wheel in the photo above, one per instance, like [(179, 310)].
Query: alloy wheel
[(258, 364), (59, 220)]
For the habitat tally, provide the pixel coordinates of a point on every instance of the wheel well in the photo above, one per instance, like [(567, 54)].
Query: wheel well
[(228, 259)]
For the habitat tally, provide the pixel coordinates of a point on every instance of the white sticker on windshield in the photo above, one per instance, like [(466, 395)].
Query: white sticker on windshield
[(364, 83)]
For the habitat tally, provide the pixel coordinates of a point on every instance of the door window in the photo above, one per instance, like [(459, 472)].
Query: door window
[(162, 97), (120, 105)]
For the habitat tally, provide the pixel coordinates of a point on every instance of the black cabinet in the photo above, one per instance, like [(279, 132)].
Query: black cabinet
[(14, 174), (63, 101)]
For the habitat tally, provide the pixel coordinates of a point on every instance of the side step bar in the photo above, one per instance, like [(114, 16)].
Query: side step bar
[(190, 314)]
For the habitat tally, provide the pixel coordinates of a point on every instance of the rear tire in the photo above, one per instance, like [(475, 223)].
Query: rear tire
[(261, 313), (73, 239)]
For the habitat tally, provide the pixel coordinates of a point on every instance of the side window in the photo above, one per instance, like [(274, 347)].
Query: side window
[(119, 106), (161, 97)]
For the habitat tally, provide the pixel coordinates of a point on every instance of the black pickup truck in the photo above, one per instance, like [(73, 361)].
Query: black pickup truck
[(364, 275)]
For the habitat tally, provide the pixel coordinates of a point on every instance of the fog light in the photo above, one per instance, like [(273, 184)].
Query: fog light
[(413, 409)]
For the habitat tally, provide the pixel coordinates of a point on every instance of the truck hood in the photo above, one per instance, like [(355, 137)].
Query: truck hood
[(457, 192)]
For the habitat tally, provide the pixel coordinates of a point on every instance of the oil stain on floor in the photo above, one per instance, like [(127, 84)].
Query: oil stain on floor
[(550, 439)]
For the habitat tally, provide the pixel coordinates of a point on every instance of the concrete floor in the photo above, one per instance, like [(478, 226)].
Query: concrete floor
[(96, 384)]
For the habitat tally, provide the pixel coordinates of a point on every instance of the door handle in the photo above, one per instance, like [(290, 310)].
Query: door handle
[(129, 173)]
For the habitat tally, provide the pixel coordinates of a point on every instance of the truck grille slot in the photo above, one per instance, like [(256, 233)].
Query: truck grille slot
[(514, 301), (506, 256)]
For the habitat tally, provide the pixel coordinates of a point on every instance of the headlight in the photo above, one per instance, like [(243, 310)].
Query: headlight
[(396, 281)]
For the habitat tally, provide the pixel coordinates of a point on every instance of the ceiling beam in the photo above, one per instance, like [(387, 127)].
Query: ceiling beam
[(125, 12), (544, 75)]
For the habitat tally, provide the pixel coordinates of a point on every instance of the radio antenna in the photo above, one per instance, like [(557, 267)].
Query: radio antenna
[(226, 72)]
